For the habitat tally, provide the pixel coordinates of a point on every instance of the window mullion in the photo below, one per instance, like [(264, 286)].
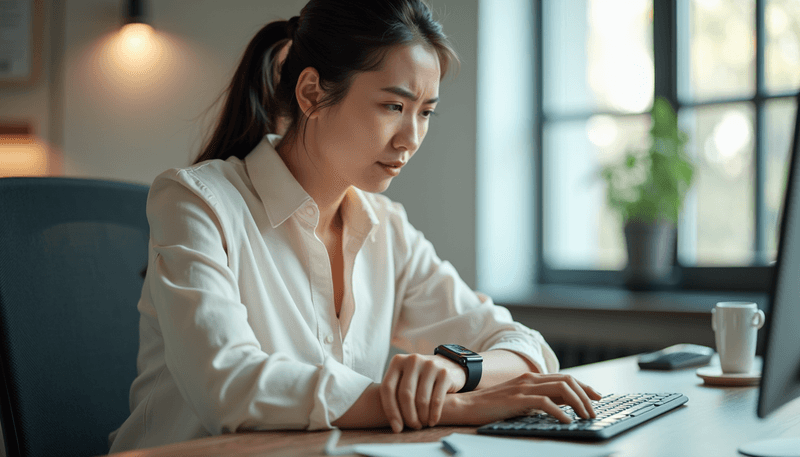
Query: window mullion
[(665, 46), (761, 254), (665, 62), (538, 160)]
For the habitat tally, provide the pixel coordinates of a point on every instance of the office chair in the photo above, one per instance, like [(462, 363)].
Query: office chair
[(72, 252)]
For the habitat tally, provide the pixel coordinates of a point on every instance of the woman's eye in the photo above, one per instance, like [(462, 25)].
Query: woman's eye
[(398, 108), (428, 113)]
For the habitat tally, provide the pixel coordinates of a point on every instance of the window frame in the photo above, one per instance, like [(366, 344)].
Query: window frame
[(754, 278)]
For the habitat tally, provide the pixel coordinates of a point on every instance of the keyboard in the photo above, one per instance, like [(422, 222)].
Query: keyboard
[(615, 414)]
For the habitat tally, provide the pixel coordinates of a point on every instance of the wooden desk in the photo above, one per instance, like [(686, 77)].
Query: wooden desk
[(715, 422)]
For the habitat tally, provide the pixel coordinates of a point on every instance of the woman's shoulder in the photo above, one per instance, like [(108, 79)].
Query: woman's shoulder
[(211, 179)]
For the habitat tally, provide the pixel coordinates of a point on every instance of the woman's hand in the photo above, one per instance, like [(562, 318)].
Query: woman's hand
[(414, 388), (520, 396)]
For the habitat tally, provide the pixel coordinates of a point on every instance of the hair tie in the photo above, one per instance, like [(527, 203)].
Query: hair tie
[(291, 27)]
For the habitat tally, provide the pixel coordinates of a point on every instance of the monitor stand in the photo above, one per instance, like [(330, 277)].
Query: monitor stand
[(780, 447)]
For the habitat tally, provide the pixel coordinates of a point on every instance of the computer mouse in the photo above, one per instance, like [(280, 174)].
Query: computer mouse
[(677, 356)]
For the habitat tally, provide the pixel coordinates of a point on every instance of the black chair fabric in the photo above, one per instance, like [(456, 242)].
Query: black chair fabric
[(71, 256)]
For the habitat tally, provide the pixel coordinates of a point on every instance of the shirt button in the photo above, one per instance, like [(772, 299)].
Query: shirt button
[(329, 339), (310, 211)]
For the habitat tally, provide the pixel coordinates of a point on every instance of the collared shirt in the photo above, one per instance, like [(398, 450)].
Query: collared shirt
[(238, 328)]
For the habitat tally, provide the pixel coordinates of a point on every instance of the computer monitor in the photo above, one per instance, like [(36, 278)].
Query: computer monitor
[(780, 376)]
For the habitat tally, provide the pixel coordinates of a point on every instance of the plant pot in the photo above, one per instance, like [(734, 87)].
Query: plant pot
[(651, 248)]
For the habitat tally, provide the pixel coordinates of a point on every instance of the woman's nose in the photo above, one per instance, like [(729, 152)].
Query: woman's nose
[(408, 137)]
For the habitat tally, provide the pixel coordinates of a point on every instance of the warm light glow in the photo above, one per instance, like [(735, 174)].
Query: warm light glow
[(137, 39), (135, 50), (134, 66), (23, 156)]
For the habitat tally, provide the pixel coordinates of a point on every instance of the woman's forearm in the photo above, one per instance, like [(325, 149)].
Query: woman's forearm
[(498, 366), (367, 411), (501, 365)]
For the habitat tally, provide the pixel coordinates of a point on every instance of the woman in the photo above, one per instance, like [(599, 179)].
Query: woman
[(278, 278)]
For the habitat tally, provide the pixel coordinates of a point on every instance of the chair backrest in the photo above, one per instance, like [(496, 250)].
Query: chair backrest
[(72, 252)]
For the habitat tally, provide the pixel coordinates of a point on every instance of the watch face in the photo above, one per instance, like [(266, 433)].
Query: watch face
[(460, 350)]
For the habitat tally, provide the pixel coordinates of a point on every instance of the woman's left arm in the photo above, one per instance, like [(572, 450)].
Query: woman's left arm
[(437, 307)]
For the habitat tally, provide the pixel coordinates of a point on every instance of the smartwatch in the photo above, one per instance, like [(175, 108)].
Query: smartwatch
[(471, 361)]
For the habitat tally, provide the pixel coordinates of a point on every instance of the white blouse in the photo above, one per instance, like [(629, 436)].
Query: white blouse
[(238, 329)]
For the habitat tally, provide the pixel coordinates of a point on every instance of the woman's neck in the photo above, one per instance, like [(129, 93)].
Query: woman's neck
[(327, 191)]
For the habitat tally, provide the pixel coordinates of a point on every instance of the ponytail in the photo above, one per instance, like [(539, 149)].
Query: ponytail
[(251, 109)]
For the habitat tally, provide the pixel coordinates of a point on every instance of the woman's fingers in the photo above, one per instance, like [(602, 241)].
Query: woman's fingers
[(593, 394), (389, 396), (440, 389), (407, 396), (425, 385), (547, 405), (582, 395), (413, 391), (560, 390)]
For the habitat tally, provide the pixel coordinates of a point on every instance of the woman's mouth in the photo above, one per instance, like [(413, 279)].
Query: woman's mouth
[(392, 168)]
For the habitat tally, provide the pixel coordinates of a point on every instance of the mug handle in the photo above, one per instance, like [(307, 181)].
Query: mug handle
[(758, 319), (714, 319)]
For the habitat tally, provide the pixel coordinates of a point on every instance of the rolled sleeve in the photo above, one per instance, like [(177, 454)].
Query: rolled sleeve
[(539, 354)]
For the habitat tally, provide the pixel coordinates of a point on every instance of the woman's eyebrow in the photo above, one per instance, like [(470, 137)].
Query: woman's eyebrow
[(406, 94)]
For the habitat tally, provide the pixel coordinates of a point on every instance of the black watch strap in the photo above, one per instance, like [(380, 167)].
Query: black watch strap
[(471, 361)]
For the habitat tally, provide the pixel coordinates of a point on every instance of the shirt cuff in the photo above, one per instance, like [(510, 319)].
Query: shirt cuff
[(540, 355), (338, 388)]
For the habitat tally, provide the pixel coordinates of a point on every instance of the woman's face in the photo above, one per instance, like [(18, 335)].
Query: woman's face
[(367, 138)]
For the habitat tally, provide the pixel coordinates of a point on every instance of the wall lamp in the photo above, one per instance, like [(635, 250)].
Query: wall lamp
[(135, 12)]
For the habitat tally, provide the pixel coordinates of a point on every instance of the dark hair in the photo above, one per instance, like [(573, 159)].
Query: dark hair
[(338, 38)]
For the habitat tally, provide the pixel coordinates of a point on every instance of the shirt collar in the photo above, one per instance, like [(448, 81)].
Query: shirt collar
[(282, 195), (279, 191), (358, 212)]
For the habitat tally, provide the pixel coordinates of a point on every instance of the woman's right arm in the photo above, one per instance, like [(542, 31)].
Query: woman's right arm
[(209, 346)]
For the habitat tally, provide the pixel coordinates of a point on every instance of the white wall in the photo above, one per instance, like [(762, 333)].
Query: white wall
[(437, 187), (131, 127)]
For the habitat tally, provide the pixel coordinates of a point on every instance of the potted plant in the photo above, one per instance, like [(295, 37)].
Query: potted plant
[(647, 188)]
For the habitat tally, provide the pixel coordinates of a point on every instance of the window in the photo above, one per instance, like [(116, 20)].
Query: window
[(730, 69)]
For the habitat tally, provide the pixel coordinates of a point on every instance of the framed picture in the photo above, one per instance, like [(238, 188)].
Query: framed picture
[(21, 23)]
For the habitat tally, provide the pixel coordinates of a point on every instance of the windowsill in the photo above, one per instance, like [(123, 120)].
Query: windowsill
[(611, 299)]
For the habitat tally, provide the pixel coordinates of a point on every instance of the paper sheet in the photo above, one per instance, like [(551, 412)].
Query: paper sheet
[(383, 449), (402, 450), (469, 446), (481, 445)]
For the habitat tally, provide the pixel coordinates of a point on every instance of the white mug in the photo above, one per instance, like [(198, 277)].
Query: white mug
[(735, 326)]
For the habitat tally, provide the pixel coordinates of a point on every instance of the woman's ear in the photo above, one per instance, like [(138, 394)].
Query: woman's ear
[(308, 92)]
